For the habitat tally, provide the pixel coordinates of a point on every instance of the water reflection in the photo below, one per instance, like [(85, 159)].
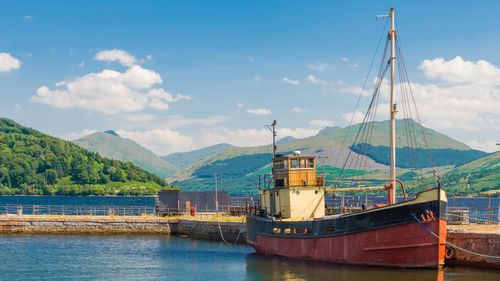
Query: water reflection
[(261, 267), (154, 257)]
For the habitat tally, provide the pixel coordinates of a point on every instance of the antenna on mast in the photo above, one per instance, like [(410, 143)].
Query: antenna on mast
[(379, 17), (272, 128)]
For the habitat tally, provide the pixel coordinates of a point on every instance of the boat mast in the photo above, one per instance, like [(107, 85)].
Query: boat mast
[(392, 137), (272, 127)]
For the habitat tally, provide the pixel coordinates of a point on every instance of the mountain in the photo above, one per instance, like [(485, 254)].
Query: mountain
[(185, 159), (111, 145), (35, 163), (329, 142), (286, 139), (249, 162)]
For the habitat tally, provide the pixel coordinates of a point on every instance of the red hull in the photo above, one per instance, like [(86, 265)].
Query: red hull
[(404, 245)]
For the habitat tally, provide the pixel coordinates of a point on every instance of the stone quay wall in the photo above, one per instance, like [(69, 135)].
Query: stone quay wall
[(483, 243), (198, 229), (83, 224), (231, 231)]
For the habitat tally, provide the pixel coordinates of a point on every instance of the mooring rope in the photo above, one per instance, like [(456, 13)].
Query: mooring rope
[(192, 230), (450, 244), (222, 236)]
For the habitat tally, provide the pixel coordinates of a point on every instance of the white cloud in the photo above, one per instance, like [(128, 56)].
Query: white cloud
[(81, 64), (318, 67), (110, 91), (257, 78), (27, 17), (468, 99), (355, 90), (459, 71), (298, 109), (321, 123), (149, 57), (290, 81), (313, 80), (347, 61), (176, 121), (488, 145), (160, 141), (159, 99), (116, 55), (259, 111), (139, 117), (8, 62), (240, 104), (469, 107), (356, 117)]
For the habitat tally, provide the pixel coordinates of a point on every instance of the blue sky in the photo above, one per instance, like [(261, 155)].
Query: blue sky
[(181, 75)]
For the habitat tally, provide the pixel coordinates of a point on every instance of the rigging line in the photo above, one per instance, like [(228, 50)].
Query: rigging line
[(370, 134), (365, 118), (426, 143), (380, 75), (363, 88), (411, 154), (412, 158), (368, 117), (413, 133), (368, 129)]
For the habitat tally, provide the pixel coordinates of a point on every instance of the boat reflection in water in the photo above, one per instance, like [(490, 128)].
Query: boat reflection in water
[(265, 267)]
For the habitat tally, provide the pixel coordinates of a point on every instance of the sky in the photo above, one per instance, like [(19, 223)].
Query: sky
[(180, 75)]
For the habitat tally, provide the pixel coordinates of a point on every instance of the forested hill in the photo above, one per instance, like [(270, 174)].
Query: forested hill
[(111, 145), (36, 163)]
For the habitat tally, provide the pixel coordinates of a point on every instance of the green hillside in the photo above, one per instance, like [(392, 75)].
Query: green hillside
[(109, 144), (481, 175), (35, 163)]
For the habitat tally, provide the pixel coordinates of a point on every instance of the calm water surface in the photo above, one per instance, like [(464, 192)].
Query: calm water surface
[(127, 257)]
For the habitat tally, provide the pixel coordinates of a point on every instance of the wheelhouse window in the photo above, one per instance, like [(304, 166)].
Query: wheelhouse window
[(279, 165), (311, 163), (293, 163)]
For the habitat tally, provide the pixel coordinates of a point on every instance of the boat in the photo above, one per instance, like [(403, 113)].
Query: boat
[(291, 219)]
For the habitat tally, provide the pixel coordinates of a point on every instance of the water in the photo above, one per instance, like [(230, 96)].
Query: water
[(128, 257)]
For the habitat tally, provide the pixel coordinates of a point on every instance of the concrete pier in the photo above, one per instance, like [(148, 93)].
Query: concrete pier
[(84, 224), (478, 238), (201, 228)]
